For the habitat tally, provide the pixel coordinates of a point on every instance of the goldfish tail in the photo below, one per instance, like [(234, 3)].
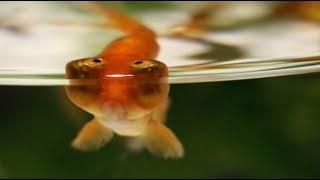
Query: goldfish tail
[(161, 141), (121, 21), (92, 136)]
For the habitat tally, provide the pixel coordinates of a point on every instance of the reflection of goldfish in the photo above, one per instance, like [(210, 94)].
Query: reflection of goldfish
[(130, 95), (309, 10), (203, 17)]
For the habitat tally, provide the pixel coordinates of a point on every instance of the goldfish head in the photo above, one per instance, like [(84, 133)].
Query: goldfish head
[(84, 85), (137, 86)]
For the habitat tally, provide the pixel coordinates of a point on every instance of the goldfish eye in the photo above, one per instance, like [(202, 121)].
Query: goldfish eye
[(92, 63), (137, 62), (97, 60), (145, 65)]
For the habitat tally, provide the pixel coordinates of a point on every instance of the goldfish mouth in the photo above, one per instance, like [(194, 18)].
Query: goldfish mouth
[(115, 117)]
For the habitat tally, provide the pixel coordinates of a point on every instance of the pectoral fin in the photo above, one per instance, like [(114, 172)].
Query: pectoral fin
[(161, 141), (92, 136), (159, 114)]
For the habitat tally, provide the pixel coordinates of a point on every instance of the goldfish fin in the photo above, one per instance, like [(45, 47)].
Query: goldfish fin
[(92, 136), (161, 141)]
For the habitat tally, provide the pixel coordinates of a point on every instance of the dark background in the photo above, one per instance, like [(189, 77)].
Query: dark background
[(249, 128)]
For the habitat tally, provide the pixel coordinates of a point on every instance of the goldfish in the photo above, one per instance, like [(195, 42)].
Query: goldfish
[(203, 18), (307, 10), (129, 96)]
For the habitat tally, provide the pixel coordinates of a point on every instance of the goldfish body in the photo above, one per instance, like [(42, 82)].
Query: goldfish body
[(130, 95)]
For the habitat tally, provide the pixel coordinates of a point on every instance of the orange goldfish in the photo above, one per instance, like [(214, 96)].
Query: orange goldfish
[(130, 95)]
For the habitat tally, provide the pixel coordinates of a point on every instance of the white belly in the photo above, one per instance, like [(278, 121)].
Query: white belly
[(117, 119)]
